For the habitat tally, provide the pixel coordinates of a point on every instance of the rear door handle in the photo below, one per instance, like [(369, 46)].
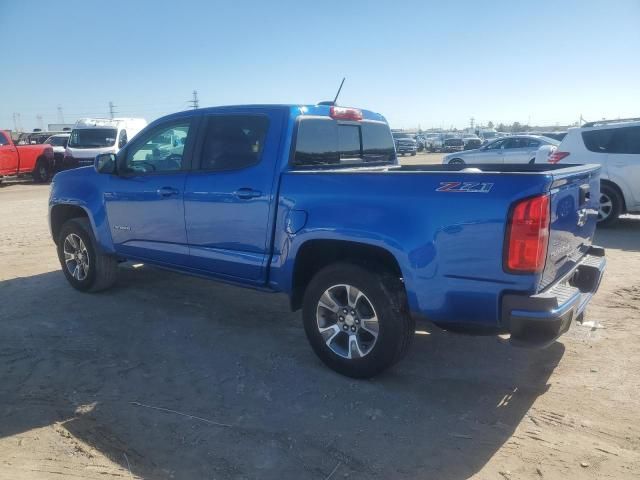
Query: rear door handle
[(247, 193), (167, 191)]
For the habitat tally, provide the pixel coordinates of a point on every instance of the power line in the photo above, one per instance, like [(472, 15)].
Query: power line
[(194, 103)]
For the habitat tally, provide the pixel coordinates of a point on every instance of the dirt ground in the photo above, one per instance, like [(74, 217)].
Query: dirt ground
[(173, 377)]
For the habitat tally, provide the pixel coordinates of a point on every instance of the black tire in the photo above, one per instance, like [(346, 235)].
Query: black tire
[(413, 154), (396, 328), (42, 172), (456, 161), (610, 193), (102, 269)]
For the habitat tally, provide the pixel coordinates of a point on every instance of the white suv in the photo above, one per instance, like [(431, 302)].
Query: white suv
[(614, 144)]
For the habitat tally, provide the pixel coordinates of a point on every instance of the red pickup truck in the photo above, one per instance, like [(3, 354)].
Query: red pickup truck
[(17, 160)]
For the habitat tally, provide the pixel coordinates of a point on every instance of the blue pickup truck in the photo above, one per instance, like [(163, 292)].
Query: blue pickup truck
[(311, 201)]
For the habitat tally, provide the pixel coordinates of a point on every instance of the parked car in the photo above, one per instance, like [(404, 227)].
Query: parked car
[(59, 144), (311, 201), (453, 145), (514, 149), (422, 142), (405, 143), (471, 143), (17, 160), (434, 142), (615, 145), (92, 136)]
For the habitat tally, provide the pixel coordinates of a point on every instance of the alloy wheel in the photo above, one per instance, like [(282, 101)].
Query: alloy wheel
[(347, 321), (76, 257)]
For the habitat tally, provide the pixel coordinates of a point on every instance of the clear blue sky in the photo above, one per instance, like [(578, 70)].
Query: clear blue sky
[(417, 62)]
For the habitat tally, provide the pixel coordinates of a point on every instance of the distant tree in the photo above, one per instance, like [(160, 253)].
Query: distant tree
[(490, 124), (516, 127), (502, 127)]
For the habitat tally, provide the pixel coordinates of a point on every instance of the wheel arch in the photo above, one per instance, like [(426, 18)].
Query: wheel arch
[(61, 213), (315, 254)]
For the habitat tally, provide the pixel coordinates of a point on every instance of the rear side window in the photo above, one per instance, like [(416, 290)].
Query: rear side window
[(233, 142), (323, 141), (613, 140)]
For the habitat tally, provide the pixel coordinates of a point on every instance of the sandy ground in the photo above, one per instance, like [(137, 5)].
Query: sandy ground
[(168, 376)]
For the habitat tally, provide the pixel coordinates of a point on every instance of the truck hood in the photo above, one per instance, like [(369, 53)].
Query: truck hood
[(75, 174)]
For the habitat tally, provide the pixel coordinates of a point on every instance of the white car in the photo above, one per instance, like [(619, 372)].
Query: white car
[(58, 143), (514, 149), (614, 144)]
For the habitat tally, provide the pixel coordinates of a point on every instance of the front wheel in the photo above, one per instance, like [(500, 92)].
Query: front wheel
[(456, 161), (356, 319), (85, 268)]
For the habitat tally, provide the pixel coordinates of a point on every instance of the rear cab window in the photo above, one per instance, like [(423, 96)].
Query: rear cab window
[(323, 141)]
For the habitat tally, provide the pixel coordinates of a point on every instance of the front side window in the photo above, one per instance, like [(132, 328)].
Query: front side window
[(497, 145), (233, 142), (533, 143), (93, 137), (3, 139), (161, 152), (57, 141)]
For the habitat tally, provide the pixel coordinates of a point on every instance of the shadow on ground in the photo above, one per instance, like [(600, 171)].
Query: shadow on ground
[(623, 235), (237, 357)]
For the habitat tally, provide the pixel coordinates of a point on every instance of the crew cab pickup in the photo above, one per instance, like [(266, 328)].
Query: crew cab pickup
[(17, 160), (311, 201)]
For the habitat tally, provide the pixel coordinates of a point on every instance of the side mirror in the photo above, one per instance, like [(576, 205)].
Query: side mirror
[(105, 163)]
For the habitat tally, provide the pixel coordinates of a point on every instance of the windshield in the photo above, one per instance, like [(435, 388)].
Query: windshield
[(57, 141), (454, 141), (400, 135), (489, 134), (93, 137)]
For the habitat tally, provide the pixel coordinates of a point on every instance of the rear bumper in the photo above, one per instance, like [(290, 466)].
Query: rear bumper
[(538, 320)]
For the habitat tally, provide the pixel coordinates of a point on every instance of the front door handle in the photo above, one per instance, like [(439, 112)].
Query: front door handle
[(247, 193), (167, 192)]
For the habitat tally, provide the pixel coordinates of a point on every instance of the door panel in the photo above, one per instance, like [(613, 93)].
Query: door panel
[(228, 201), (8, 157), (146, 216), (145, 203)]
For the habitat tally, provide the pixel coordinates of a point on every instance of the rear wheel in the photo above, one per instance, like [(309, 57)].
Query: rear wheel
[(85, 268), (356, 319), (41, 172), (610, 206)]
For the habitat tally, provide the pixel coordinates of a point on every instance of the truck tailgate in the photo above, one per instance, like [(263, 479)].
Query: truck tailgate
[(574, 196)]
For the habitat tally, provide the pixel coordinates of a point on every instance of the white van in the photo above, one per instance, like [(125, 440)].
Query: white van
[(93, 136)]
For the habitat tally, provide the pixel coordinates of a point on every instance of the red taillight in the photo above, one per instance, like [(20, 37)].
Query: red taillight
[(556, 156), (343, 113), (528, 235)]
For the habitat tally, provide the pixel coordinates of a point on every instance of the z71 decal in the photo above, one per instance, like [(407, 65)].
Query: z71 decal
[(465, 187)]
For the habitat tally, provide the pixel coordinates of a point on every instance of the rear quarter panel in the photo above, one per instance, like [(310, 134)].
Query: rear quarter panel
[(449, 245)]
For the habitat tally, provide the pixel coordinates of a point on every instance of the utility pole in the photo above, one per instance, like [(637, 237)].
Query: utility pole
[(194, 103), (39, 120), (472, 122), (60, 115), (17, 124), (111, 109)]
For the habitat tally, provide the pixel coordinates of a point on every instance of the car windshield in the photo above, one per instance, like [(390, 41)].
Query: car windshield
[(489, 135), (93, 137), (454, 141), (401, 135), (58, 141)]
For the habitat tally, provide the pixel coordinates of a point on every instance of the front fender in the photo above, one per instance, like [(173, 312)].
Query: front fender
[(78, 192)]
